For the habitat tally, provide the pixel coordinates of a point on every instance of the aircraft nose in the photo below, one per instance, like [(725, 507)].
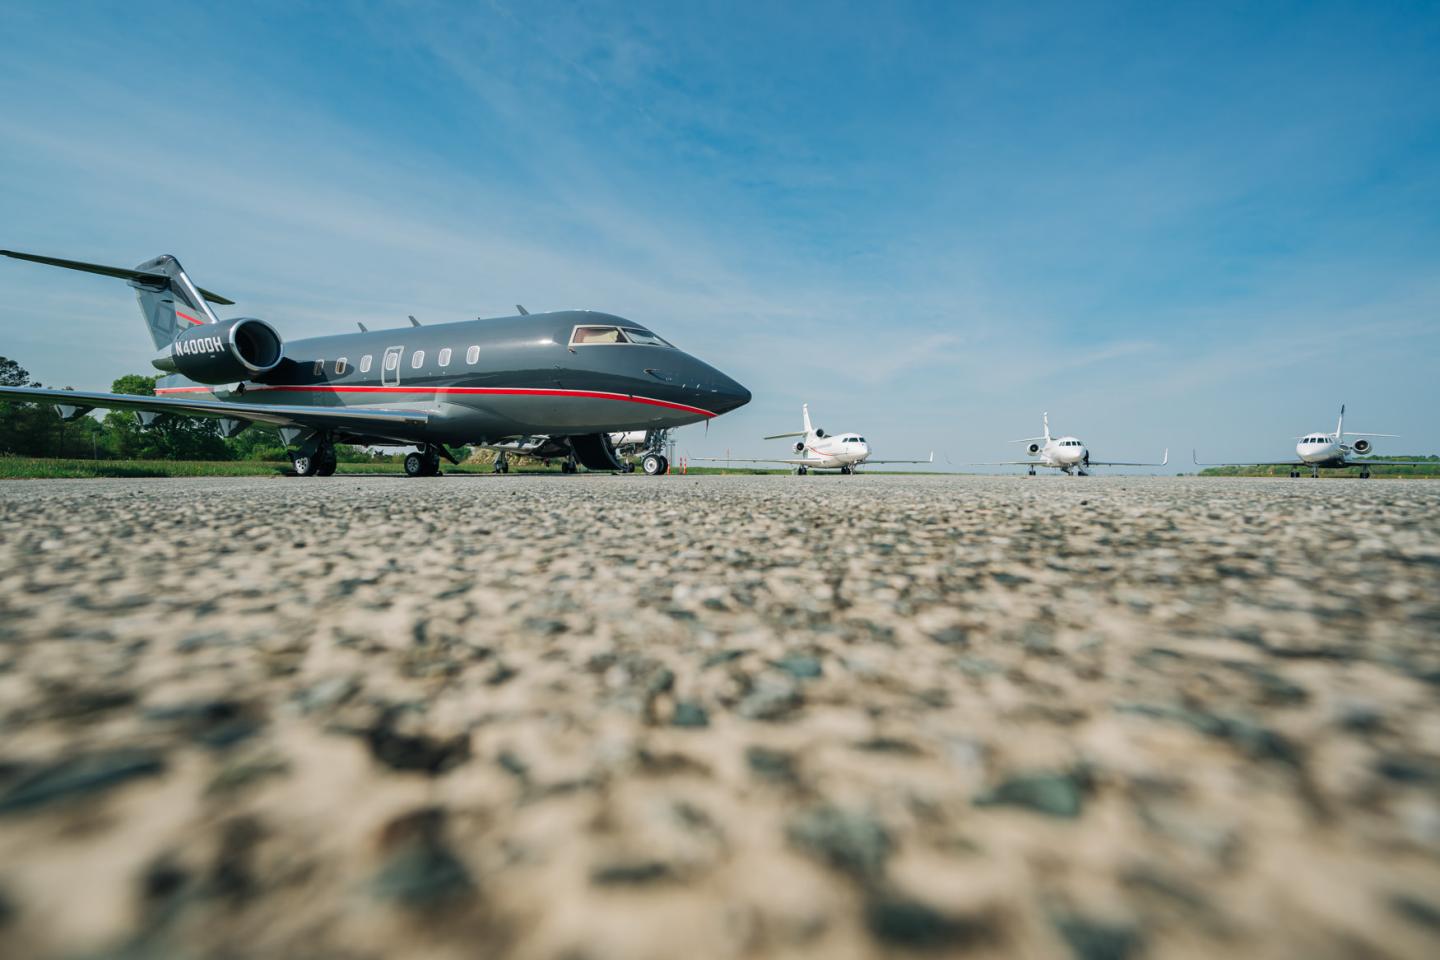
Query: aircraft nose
[(724, 395)]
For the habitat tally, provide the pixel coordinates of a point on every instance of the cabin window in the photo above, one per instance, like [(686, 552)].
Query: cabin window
[(417, 359), (472, 356), (392, 360), (319, 368), (592, 335), (341, 365), (365, 363), (444, 358), (636, 335)]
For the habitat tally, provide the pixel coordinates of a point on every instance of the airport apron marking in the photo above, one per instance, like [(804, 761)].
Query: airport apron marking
[(484, 391)]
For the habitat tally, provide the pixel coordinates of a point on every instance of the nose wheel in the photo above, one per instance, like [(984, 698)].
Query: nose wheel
[(654, 464)]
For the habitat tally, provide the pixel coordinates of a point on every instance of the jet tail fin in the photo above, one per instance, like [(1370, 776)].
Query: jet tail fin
[(169, 301), (805, 412)]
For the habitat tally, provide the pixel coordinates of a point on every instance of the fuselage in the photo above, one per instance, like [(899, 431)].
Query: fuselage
[(1064, 453), (556, 374), (1321, 450), (830, 453)]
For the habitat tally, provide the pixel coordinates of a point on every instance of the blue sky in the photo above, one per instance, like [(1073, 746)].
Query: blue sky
[(1168, 225)]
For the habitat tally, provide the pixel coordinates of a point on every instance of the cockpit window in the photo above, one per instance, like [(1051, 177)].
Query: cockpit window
[(589, 335), (646, 338)]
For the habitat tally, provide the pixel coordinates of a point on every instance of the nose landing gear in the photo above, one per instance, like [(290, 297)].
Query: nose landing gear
[(654, 464)]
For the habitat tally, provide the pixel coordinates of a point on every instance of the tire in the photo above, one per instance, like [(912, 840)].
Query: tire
[(803, 471), (327, 465), (305, 466), (415, 465), (653, 465)]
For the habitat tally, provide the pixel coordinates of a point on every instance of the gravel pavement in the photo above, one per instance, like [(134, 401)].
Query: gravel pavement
[(592, 717)]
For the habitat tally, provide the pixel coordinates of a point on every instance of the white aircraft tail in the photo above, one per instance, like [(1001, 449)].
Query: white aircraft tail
[(1045, 420), (1340, 424), (807, 432)]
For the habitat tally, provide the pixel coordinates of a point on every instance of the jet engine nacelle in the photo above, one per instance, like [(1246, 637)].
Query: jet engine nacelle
[(820, 434), (1033, 449), (224, 352), (799, 446), (1362, 446)]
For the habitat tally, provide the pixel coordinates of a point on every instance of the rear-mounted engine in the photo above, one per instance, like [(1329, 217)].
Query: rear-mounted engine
[(224, 352)]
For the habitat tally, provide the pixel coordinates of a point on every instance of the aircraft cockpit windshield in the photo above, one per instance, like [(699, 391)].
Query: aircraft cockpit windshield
[(592, 334)]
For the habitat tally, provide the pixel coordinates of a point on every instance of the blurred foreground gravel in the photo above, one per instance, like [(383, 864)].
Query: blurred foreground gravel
[(590, 717)]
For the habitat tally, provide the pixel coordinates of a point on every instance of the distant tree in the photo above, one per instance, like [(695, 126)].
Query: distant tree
[(169, 437), (25, 428)]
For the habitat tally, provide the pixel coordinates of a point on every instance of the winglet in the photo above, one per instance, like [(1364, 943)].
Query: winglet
[(1165, 460)]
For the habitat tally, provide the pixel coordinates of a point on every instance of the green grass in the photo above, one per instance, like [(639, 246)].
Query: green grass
[(36, 468), (1378, 470), (33, 468)]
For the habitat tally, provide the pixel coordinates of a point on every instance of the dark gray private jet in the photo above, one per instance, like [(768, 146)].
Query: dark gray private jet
[(567, 379)]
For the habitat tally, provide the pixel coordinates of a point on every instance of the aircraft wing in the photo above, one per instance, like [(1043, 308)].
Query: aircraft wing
[(356, 418), (794, 462), (1367, 462), (1008, 463), (1164, 461), (1252, 463), (867, 461)]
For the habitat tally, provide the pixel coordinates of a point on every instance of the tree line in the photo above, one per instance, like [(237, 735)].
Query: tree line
[(34, 430)]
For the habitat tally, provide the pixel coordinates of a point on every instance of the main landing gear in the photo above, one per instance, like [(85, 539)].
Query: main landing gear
[(1364, 473), (321, 463), (1032, 471), (316, 458), (502, 462), (424, 462)]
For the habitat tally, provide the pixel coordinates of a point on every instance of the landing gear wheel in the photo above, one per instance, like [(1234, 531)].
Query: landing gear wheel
[(803, 470), (629, 467), (1364, 473), (1032, 471), (417, 465), (653, 464), (306, 466), (846, 471), (327, 462)]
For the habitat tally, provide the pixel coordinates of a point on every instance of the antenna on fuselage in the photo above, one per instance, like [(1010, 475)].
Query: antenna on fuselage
[(413, 321), (523, 311), (363, 328)]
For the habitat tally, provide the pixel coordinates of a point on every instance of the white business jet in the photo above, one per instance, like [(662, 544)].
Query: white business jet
[(1329, 450), (1063, 453), (817, 450)]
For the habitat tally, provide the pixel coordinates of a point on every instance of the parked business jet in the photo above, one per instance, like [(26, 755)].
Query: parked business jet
[(1329, 450), (817, 450), (573, 377), (1063, 453)]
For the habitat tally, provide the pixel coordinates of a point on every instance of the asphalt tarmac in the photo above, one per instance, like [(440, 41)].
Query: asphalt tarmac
[(590, 717)]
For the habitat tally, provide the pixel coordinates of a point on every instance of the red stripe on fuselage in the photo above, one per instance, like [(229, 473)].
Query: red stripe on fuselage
[(187, 316), (469, 391)]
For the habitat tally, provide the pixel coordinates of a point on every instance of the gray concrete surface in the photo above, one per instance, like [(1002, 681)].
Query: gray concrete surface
[(620, 717)]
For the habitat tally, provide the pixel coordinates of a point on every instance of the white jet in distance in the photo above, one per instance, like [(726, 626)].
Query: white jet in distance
[(817, 450), (1329, 450), (1063, 453)]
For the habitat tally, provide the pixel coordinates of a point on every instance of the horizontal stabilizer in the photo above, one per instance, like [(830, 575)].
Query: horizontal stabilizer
[(120, 273)]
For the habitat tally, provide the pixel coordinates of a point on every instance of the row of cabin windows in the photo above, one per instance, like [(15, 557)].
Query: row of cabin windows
[(392, 361)]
